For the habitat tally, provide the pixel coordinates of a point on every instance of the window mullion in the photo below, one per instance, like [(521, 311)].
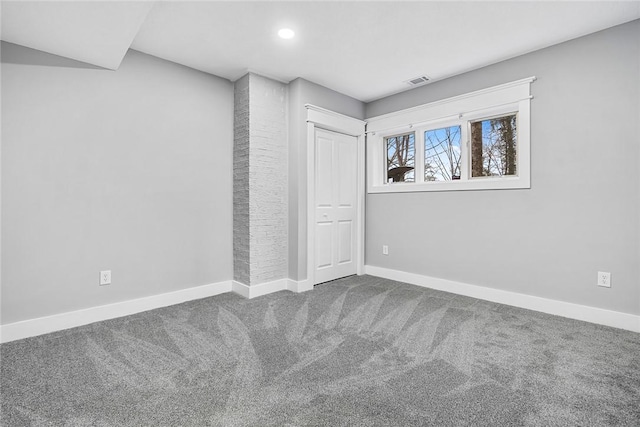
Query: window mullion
[(419, 138), (464, 148)]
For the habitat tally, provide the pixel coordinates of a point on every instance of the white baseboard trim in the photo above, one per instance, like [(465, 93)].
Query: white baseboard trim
[(240, 289), (600, 316), (71, 319), (254, 291), (58, 322), (299, 286)]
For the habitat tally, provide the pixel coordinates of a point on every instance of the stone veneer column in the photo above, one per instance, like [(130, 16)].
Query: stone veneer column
[(260, 180)]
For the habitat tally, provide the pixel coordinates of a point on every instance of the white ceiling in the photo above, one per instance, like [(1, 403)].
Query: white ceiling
[(364, 49), (98, 33)]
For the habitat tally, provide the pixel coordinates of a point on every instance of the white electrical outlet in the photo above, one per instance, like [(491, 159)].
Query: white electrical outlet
[(105, 277), (385, 250), (604, 279)]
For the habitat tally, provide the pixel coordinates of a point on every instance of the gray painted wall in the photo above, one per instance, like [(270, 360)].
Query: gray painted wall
[(303, 92), (132, 171), (127, 170), (582, 212)]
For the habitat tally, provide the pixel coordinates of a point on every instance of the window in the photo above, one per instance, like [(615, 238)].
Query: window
[(401, 158), (470, 142), (493, 146), (442, 154)]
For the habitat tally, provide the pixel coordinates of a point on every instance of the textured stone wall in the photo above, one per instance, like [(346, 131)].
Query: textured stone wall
[(260, 180), (241, 245)]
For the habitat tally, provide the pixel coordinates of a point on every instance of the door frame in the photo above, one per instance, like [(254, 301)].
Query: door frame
[(321, 118)]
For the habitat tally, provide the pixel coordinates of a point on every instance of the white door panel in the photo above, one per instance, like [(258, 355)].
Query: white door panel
[(336, 163), (324, 239), (348, 161), (345, 236), (324, 182)]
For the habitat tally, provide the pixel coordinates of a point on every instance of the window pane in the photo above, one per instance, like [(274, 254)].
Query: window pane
[(401, 158), (493, 147), (442, 154)]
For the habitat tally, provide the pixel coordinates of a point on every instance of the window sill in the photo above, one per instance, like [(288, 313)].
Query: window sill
[(476, 184)]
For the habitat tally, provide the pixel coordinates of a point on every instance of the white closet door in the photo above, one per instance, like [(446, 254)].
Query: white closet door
[(336, 159)]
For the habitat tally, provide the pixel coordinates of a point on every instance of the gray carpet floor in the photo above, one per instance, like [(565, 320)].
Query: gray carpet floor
[(360, 351)]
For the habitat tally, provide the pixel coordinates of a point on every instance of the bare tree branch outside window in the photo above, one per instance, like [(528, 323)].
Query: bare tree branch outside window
[(442, 154), (401, 153)]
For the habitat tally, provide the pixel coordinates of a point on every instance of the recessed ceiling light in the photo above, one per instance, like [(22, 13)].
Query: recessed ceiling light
[(286, 33)]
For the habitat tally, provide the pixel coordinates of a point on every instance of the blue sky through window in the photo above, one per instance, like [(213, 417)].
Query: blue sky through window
[(442, 154)]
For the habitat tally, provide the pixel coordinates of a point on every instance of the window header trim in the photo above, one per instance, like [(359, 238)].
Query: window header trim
[(453, 108)]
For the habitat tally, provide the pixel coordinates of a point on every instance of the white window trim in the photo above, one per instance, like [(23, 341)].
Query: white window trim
[(459, 110)]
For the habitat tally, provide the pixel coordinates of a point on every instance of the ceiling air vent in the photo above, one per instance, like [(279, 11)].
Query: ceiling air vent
[(418, 81)]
